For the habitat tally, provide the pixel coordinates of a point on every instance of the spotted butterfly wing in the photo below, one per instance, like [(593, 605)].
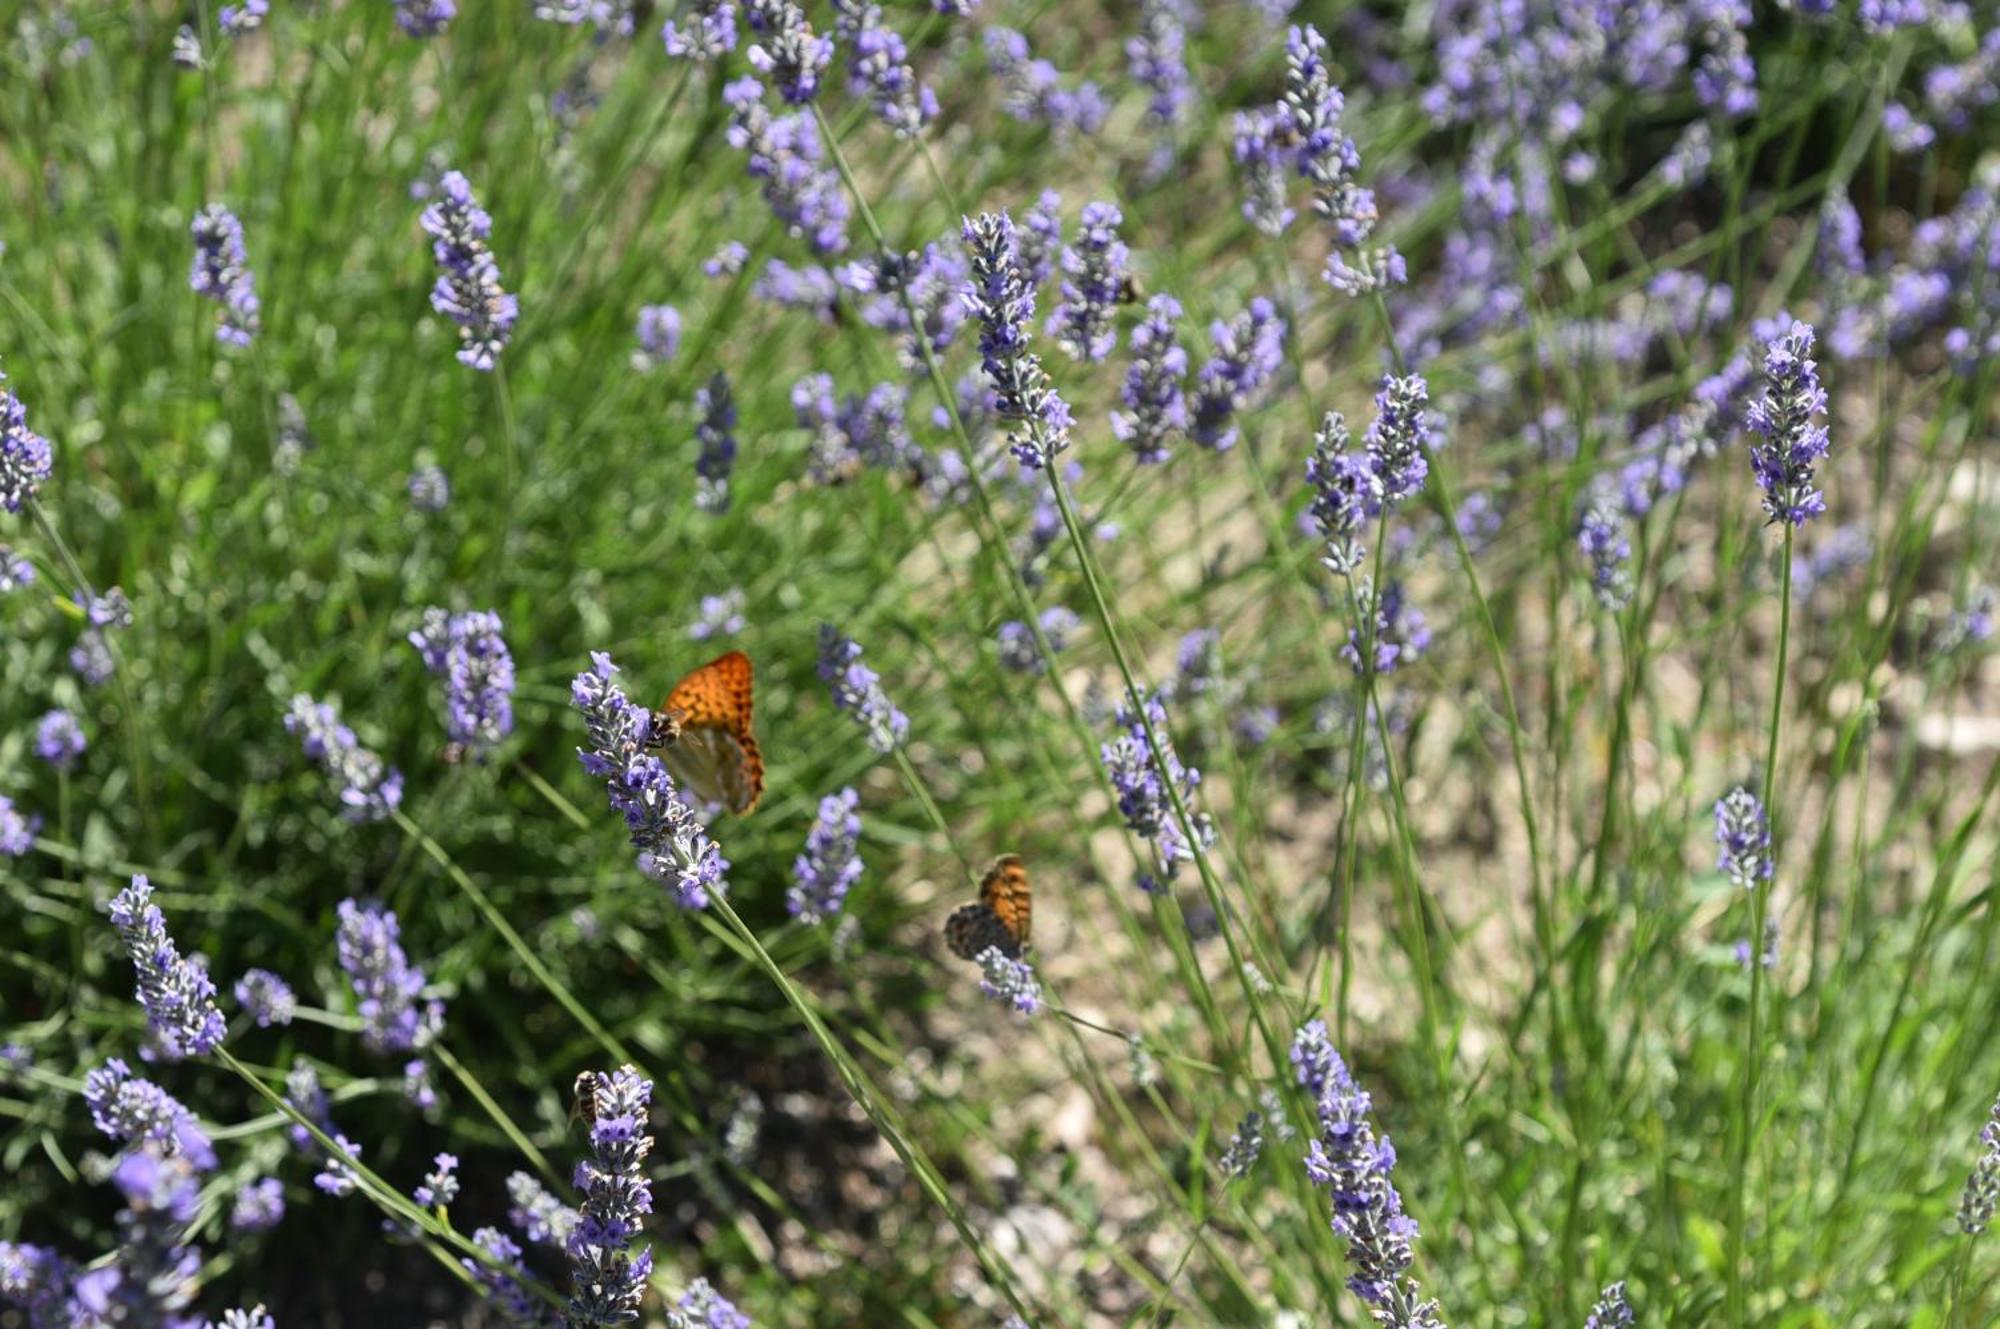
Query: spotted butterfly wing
[(1000, 919), (710, 747)]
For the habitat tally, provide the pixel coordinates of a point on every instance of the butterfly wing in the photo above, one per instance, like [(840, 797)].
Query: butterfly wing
[(973, 928), (1005, 890), (716, 753)]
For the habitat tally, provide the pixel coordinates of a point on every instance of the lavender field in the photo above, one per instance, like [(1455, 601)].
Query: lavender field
[(931, 663)]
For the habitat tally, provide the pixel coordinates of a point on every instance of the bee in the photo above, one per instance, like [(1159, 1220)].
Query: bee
[(1131, 291), (583, 1099)]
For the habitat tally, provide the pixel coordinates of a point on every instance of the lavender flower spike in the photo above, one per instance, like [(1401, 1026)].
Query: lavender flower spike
[(424, 18), (1982, 1186), (1248, 350), (1347, 494), (831, 863), (673, 846), (1612, 1311), (787, 51), (1743, 837), (222, 273), (1142, 779), (702, 1307), (1354, 1165), (17, 829), (468, 290), (176, 990), (707, 31), (1396, 439), (469, 654), (1000, 296), (369, 788), (607, 1278), (1009, 980), (135, 1111), (878, 67), (857, 689), (387, 987), (1094, 273), (25, 459), (1155, 405), (1791, 442), (716, 435)]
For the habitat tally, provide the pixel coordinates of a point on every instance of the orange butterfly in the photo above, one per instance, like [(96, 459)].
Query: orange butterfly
[(705, 737), (1000, 919)]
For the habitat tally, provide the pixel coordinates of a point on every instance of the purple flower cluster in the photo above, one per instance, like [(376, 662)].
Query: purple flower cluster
[(715, 439), (368, 788), (787, 50), (16, 572), (673, 846), (1347, 494), (1743, 838), (259, 1205), (265, 998), (659, 335), (702, 1307), (17, 829), (1009, 980), (933, 281), (1354, 1165), (706, 31), (424, 18), (1142, 778), (721, 616), (388, 989), (469, 654), (1004, 302), (542, 1218), (857, 689), (1155, 402), (1247, 351), (221, 273), (430, 489), (25, 459), (1791, 441), (1094, 275), (468, 290), (607, 1278), (1981, 1197), (853, 431), (500, 1280), (91, 659), (1034, 91), (136, 1112), (878, 67), (1401, 635), (1602, 538), (1021, 653), (1399, 436), (1612, 1311), (831, 863), (176, 991), (785, 156), (59, 739)]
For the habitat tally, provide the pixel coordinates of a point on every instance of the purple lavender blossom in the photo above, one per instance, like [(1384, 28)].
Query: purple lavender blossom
[(831, 863), (368, 788), (857, 689), (728, 260), (1261, 144), (1313, 1058), (787, 50), (1353, 1164), (1145, 780), (1401, 635), (542, 1218), (1785, 419), (259, 1205), (673, 846), (607, 1278), (25, 459), (1247, 351), (501, 1279), (933, 282), (430, 489), (17, 829), (721, 616), (1009, 980), (1155, 404), (878, 67), (854, 431), (469, 654), (659, 335), (1000, 297), (706, 32), (702, 1307), (784, 154), (59, 740), (468, 290), (305, 1096), (388, 989), (1156, 60), (151, 1279), (419, 1088), (222, 273), (1602, 538), (238, 1318), (1034, 91), (265, 998), (1094, 274), (1612, 1311), (1743, 838), (176, 991), (1347, 494), (1397, 438), (1039, 239), (37, 1281), (1245, 1147), (424, 18), (134, 1111), (1969, 625), (1021, 653), (440, 1184), (1197, 663), (337, 1176), (715, 436), (16, 572), (1981, 1197)]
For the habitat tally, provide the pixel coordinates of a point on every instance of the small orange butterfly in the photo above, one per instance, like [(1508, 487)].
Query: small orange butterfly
[(705, 738), (1000, 919)]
